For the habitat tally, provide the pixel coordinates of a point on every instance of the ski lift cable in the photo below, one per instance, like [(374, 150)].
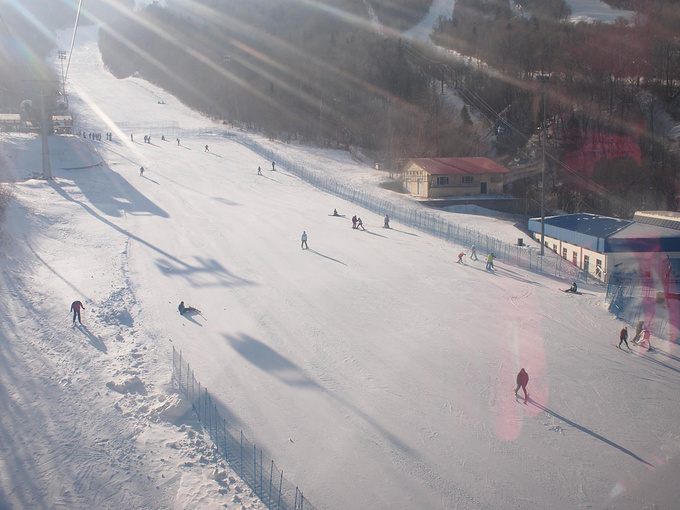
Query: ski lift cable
[(73, 38)]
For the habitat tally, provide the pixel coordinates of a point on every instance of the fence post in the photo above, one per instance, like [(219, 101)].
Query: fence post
[(224, 432), (173, 362), (188, 372), (198, 408), (271, 474), (261, 486), (278, 505), (241, 473), (180, 370), (255, 467), (217, 437)]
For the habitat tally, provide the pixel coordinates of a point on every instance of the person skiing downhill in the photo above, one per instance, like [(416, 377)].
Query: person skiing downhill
[(623, 337), (354, 221), (273, 166), (387, 222), (473, 253), (259, 171), (460, 257), (360, 224), (489, 262), (141, 171), (304, 240), (76, 306), (522, 381), (638, 331)]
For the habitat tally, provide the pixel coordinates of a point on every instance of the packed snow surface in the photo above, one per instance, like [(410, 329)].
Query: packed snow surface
[(376, 371)]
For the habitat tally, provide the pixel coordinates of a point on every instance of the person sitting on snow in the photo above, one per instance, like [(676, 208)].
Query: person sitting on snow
[(186, 309), (573, 288)]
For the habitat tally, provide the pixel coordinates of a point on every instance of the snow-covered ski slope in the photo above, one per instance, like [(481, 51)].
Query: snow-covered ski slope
[(376, 371)]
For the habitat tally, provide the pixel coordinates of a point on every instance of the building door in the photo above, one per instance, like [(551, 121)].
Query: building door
[(483, 189)]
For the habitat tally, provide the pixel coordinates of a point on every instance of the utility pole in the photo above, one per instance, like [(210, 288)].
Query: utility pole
[(39, 87), (544, 79)]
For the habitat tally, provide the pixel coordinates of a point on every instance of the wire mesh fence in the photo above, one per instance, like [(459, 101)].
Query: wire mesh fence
[(423, 219), (656, 301), (406, 212), (256, 469)]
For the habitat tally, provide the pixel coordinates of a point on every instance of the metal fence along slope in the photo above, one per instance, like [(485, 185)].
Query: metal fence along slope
[(256, 469), (426, 220)]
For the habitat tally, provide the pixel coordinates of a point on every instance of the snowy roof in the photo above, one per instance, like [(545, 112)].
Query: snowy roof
[(668, 219), (607, 235), (459, 166), (584, 223)]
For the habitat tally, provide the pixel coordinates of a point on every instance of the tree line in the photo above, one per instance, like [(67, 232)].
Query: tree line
[(609, 79)]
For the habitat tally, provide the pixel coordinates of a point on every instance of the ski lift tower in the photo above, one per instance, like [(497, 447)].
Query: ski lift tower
[(42, 88), (62, 57)]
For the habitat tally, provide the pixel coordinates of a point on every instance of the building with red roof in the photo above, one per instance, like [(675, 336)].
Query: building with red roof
[(453, 177)]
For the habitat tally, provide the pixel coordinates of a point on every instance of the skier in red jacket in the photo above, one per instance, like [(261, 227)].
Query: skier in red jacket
[(76, 306), (522, 380)]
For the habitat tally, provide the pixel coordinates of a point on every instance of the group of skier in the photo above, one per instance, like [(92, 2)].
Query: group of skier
[(642, 336)]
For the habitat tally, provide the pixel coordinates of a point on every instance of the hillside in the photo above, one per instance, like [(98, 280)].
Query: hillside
[(375, 371)]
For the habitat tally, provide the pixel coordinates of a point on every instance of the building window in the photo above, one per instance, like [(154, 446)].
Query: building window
[(442, 181), (586, 263), (574, 258), (564, 253), (468, 179)]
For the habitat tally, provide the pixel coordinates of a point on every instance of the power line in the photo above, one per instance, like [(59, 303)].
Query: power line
[(73, 39)]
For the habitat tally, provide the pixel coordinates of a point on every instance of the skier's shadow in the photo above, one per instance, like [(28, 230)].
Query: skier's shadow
[(262, 175), (587, 431), (403, 232), (94, 340), (213, 154), (145, 177), (326, 256), (517, 276), (189, 315), (668, 355), (376, 234)]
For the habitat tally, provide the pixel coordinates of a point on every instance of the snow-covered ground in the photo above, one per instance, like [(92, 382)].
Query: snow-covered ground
[(376, 371)]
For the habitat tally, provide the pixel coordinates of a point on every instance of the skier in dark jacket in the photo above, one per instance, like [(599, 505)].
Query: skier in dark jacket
[(522, 381), (76, 306), (623, 337), (573, 288), (186, 309)]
